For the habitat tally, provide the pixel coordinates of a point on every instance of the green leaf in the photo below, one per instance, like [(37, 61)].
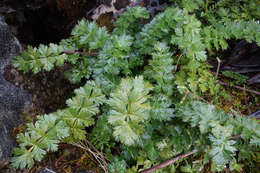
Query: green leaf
[(127, 133), (161, 108), (102, 134), (42, 136), (129, 108), (24, 158), (141, 126), (89, 35), (223, 150)]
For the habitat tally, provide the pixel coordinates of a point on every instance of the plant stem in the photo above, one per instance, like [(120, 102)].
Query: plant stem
[(218, 68), (206, 6)]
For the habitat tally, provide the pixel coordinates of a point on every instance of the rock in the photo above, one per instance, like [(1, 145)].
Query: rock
[(12, 98), (255, 79), (46, 170), (255, 114), (245, 58), (245, 54)]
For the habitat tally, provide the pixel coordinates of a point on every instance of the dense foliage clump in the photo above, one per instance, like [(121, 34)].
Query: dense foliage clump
[(144, 82)]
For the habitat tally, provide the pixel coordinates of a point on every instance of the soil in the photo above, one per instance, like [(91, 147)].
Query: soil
[(49, 90), (36, 22)]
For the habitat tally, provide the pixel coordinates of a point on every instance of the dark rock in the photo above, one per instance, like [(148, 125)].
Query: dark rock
[(6, 38), (46, 170), (255, 114), (255, 79), (12, 98), (245, 58), (245, 54)]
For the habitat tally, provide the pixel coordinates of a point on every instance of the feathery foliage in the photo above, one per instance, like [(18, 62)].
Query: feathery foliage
[(144, 75), (67, 125), (129, 109)]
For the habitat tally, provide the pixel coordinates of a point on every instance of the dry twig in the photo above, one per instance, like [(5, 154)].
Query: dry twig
[(99, 157), (169, 162), (240, 88), (70, 52), (235, 137)]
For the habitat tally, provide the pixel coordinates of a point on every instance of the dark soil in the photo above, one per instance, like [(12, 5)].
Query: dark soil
[(36, 22), (49, 90)]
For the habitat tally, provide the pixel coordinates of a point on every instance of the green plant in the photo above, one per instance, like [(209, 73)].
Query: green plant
[(146, 79), (239, 79), (67, 125)]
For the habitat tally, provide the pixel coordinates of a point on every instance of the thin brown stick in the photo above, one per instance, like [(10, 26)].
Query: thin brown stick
[(235, 137), (70, 52), (169, 162), (240, 88)]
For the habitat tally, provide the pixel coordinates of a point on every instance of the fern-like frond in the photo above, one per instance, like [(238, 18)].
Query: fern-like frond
[(160, 70), (89, 36), (81, 110), (69, 125), (219, 127), (40, 137), (147, 124), (129, 22), (36, 59)]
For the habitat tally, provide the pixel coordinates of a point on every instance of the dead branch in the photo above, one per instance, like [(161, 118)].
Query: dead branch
[(70, 52), (240, 88), (235, 137), (169, 162)]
